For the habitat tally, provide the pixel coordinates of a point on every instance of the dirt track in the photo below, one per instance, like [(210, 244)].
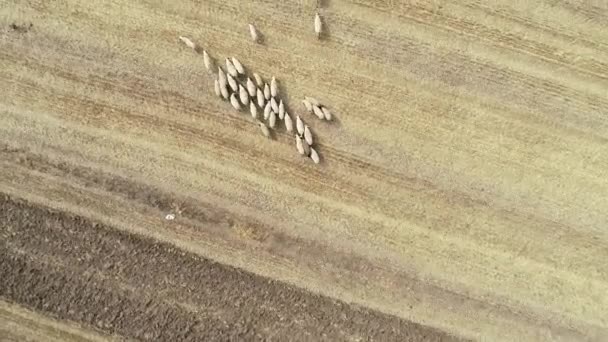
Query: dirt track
[(464, 181), (133, 287)]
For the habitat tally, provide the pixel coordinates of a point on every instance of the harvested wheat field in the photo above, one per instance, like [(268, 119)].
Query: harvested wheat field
[(461, 191)]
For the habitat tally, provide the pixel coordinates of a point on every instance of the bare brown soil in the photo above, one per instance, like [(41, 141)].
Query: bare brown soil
[(127, 285)]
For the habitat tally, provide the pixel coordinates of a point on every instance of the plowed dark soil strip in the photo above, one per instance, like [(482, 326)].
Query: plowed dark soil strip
[(73, 269)]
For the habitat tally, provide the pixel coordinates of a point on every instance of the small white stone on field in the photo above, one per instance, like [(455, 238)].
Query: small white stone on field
[(251, 87), (308, 105), (272, 119), (235, 102), (307, 135), (170, 217), (318, 112), (288, 122), (243, 95), (281, 110), (299, 125), (299, 145), (232, 83), (238, 66), (326, 113), (188, 42), (218, 91), (313, 101), (266, 91), (258, 80), (254, 33), (274, 104), (261, 99), (274, 88), (267, 111), (314, 156), (253, 110), (264, 129), (318, 25), (207, 60), (230, 68)]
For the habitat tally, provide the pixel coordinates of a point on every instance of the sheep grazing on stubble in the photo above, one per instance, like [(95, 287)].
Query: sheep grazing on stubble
[(253, 31), (188, 42), (238, 66), (235, 102), (288, 122), (307, 135), (318, 25)]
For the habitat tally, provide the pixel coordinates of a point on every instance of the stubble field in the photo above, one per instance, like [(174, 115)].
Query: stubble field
[(462, 191)]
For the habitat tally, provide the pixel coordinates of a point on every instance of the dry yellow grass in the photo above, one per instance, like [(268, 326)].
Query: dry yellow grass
[(464, 184)]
